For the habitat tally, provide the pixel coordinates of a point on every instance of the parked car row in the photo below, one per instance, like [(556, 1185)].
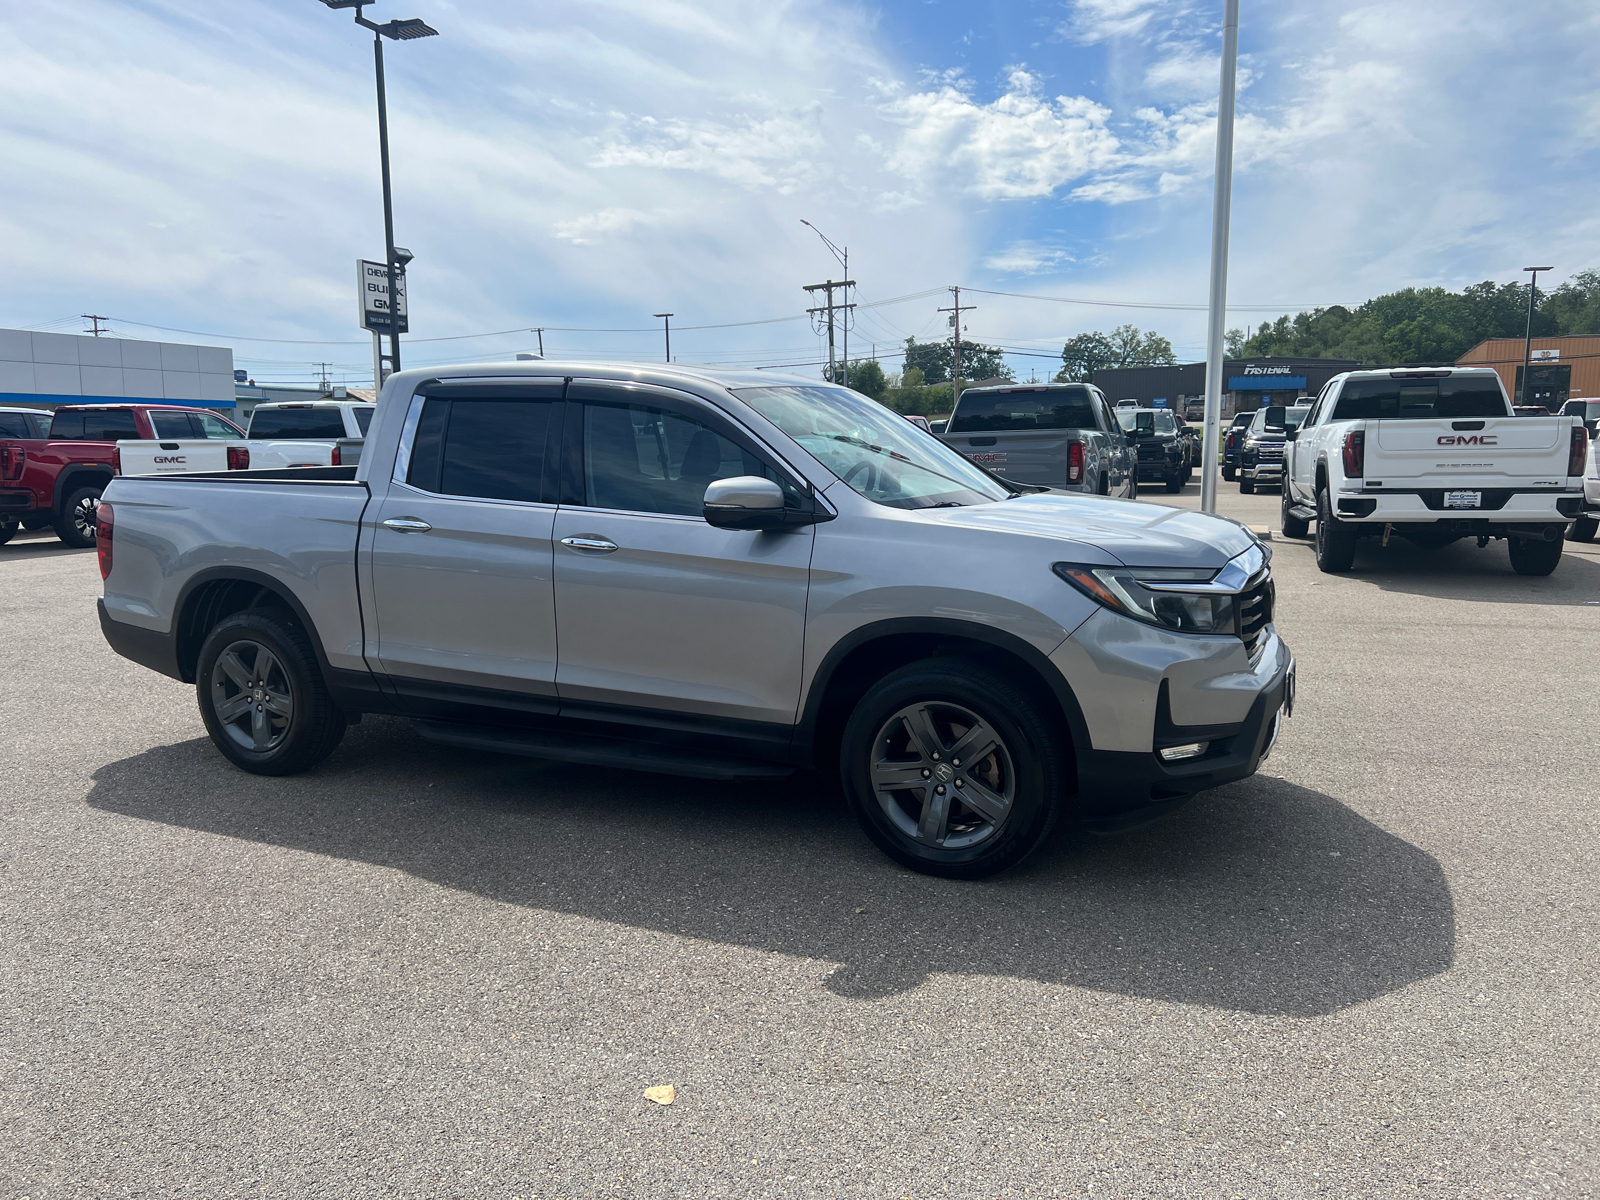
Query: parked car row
[(723, 574)]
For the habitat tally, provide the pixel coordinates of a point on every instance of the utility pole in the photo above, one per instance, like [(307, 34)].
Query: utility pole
[(666, 325), (830, 308), (97, 331), (540, 332), (955, 323), (1527, 339), (842, 253), (1221, 206), (327, 388)]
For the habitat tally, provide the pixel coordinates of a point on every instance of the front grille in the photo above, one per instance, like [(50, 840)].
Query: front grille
[(1255, 612)]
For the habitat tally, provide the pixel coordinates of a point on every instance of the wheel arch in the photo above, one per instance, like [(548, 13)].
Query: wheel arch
[(75, 476), (867, 654)]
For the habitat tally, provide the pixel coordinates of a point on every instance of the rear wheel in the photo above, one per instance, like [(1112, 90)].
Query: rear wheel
[(1293, 526), (7, 532), (1530, 557), (262, 697), (953, 770), (1583, 529), (37, 521), (1336, 541), (76, 524)]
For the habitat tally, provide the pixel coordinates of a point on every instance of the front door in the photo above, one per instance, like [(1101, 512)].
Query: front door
[(655, 608), (462, 595)]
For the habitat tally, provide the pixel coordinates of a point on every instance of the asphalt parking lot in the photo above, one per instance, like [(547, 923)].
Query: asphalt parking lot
[(418, 972)]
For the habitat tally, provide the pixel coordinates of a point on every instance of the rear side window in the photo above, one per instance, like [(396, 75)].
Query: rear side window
[(982, 412), (488, 449), (297, 423), (94, 426), (20, 425), (1417, 399), (208, 426), (363, 419), (173, 425)]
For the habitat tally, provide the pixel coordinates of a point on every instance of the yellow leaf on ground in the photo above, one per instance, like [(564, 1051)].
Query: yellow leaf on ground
[(665, 1094)]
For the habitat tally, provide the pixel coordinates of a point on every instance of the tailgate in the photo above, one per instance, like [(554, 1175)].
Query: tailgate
[(182, 457), (1492, 452), (1038, 457), (279, 452)]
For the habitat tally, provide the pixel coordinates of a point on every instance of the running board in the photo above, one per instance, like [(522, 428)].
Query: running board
[(1302, 512), (564, 746)]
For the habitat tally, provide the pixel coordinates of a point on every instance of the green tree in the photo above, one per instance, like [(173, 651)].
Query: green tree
[(867, 377), (934, 360), (1124, 346), (1233, 343)]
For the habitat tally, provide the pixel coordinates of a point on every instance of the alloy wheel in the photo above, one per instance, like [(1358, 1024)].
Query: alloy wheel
[(251, 696), (85, 517), (942, 775)]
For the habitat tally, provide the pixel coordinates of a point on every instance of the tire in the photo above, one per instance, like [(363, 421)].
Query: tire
[(1174, 483), (1228, 473), (37, 522), (1336, 541), (1529, 557), (1133, 486), (1583, 529), (7, 532), (299, 724), (1293, 526), (1247, 487), (1023, 779), (75, 526)]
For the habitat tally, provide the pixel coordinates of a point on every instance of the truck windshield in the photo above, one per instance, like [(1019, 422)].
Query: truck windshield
[(1144, 422), (297, 423), (986, 412), (876, 452), (1419, 399)]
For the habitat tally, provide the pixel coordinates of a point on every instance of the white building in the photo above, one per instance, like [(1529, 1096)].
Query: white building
[(43, 370)]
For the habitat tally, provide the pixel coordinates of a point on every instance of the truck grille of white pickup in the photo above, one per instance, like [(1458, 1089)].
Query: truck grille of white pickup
[(1255, 612)]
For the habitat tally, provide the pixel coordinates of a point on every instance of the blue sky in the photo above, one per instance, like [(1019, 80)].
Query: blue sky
[(583, 165)]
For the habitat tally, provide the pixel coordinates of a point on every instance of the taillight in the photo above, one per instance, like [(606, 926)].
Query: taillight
[(238, 458), (1355, 454), (1231, 436), (116, 460), (1074, 462), (11, 460), (1580, 447), (102, 537), (334, 461)]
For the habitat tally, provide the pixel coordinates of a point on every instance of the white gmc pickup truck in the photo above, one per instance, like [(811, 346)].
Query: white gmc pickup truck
[(1434, 455), (311, 433)]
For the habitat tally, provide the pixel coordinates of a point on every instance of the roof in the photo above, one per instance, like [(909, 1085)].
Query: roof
[(665, 374)]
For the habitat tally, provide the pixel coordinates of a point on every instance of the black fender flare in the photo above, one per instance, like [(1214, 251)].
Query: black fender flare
[(67, 481)]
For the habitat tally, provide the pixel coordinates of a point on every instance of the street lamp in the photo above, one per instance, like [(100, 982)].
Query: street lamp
[(399, 31), (1527, 337), (666, 326), (843, 255)]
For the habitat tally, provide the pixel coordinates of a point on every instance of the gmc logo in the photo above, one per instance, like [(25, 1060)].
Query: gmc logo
[(171, 458), (1469, 439)]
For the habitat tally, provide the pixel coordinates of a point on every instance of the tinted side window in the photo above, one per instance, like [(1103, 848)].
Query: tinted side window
[(94, 426), (173, 425), (16, 425), (213, 427), (642, 459), (426, 445), (495, 448), (297, 422), (363, 418), (67, 427)]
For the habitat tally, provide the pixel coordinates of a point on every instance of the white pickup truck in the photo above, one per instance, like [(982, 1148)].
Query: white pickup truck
[(317, 433), (1434, 455)]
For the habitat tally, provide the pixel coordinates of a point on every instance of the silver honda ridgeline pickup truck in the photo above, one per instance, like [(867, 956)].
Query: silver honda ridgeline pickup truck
[(722, 574)]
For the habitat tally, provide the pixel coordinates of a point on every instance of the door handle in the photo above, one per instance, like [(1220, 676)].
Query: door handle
[(598, 545), (407, 525)]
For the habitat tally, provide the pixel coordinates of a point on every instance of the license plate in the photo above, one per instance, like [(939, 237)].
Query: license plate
[(1463, 499)]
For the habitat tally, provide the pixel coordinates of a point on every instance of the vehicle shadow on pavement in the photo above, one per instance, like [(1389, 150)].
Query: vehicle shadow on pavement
[(1262, 897), (1461, 571), (36, 547)]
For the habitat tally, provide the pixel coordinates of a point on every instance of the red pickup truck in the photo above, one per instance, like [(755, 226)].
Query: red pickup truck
[(57, 480)]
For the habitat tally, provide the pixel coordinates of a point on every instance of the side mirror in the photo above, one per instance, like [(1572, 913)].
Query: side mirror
[(1291, 435), (937, 426), (1276, 415), (744, 502)]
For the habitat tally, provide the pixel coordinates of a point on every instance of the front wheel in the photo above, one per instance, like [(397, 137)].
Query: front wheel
[(78, 521), (1583, 529), (1228, 473), (1247, 486), (1293, 526), (1530, 557), (953, 770), (1174, 483), (262, 697), (7, 532)]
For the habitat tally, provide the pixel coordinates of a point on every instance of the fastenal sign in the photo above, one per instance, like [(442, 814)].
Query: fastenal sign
[(372, 285)]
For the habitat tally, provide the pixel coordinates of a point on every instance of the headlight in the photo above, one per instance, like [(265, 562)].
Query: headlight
[(1142, 593), (1252, 443)]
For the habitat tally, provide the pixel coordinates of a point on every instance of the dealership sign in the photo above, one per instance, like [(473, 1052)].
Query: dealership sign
[(372, 283), (1547, 356)]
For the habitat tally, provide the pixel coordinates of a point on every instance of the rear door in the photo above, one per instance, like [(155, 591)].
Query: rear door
[(460, 551), (656, 608)]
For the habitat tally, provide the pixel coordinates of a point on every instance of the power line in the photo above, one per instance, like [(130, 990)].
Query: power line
[(1141, 304)]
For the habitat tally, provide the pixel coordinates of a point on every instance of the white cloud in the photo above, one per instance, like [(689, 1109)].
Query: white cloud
[(1018, 145), (779, 152), (1028, 258), (599, 226), (1101, 20)]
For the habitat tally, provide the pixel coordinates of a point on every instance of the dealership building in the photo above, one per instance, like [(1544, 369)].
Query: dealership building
[(1247, 383), (44, 370), (1562, 368)]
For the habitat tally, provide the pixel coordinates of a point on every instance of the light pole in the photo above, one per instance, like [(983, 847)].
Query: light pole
[(399, 31), (666, 328), (1527, 337), (843, 255), (1221, 203)]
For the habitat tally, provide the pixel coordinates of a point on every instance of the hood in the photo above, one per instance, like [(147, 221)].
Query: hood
[(1136, 534)]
